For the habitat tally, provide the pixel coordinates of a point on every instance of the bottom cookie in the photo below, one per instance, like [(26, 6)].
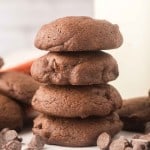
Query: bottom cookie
[(75, 132)]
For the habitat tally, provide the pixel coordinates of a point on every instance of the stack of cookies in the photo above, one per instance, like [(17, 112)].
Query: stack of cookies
[(75, 100)]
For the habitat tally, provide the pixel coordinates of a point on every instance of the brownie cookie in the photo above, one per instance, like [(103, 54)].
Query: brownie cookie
[(18, 86), (75, 131), (10, 114), (76, 68), (78, 33), (134, 113), (1, 62), (76, 101)]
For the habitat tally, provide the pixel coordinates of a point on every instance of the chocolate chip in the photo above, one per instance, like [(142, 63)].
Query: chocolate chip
[(4, 130), (10, 135), (103, 141), (147, 127), (36, 142), (12, 145), (119, 144)]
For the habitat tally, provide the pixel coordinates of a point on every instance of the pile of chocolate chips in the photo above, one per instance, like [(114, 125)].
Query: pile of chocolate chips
[(9, 140), (138, 142)]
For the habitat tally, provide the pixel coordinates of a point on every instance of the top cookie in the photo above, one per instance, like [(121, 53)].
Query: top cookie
[(78, 33)]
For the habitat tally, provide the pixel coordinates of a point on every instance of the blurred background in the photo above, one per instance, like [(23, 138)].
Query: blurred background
[(21, 19)]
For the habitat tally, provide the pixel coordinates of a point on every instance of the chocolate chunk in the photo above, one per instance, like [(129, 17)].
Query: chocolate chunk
[(12, 145), (103, 141), (3, 131), (36, 142), (147, 127), (10, 135), (119, 144)]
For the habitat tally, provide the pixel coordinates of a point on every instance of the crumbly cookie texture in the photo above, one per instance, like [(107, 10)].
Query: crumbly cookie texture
[(78, 33), (75, 132), (77, 101), (75, 68)]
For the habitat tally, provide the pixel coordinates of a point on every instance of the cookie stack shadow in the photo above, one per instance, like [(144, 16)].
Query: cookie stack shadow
[(75, 100)]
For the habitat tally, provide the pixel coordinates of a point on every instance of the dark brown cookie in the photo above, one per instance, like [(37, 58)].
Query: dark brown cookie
[(18, 86), (76, 68), (78, 33), (10, 114), (75, 131), (76, 101), (134, 113), (1, 62)]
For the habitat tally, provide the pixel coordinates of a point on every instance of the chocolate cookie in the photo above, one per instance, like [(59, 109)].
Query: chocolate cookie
[(75, 131), (76, 68), (1, 62), (134, 113), (10, 114), (76, 101), (78, 33), (18, 86)]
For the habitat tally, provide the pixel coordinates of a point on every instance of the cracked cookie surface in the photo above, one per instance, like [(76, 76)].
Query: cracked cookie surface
[(78, 33), (75, 68)]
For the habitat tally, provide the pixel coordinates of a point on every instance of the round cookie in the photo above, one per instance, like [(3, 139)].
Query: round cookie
[(18, 86), (1, 62), (75, 68), (76, 101), (75, 132), (78, 33), (11, 115)]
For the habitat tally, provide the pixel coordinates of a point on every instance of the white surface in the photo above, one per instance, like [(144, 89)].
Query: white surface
[(133, 18)]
